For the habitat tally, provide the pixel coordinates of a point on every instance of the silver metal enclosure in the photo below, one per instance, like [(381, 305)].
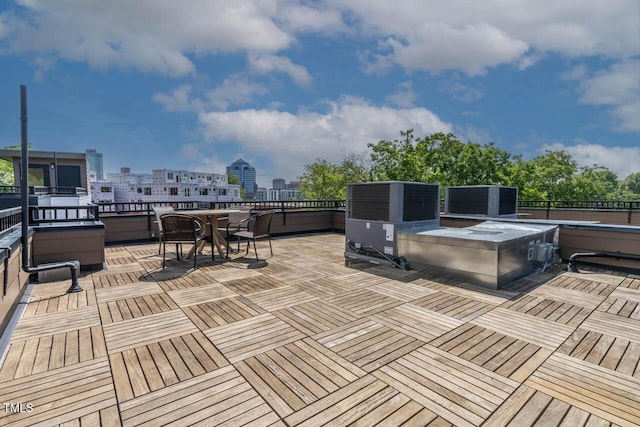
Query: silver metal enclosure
[(376, 211), (491, 254), (492, 201)]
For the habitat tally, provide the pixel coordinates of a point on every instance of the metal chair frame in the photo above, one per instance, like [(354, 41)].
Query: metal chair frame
[(182, 228), (159, 211), (258, 226)]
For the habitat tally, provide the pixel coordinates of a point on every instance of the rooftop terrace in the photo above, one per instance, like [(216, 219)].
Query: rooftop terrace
[(307, 341)]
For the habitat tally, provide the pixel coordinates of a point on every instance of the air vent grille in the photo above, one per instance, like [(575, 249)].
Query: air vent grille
[(420, 202), (508, 201), (468, 201), (369, 202)]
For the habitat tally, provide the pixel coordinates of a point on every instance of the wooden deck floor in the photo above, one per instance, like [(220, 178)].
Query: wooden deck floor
[(308, 341)]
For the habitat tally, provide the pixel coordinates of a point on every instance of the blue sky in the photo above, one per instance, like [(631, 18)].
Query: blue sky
[(195, 85)]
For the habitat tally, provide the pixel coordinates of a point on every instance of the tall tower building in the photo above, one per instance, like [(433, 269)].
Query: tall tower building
[(279, 184), (95, 163), (246, 174)]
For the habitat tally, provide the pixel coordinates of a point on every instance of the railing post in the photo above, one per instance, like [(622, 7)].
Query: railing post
[(548, 207)]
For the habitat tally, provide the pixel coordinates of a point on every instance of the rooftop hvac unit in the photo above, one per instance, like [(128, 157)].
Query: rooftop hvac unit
[(376, 211), (492, 201)]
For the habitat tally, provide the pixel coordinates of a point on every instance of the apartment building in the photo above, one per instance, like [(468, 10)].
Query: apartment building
[(165, 185)]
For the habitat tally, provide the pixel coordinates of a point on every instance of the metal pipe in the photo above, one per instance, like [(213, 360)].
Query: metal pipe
[(571, 265), (24, 187)]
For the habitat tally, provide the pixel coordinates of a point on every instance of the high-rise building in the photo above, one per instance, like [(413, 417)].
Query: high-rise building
[(94, 159), (279, 184), (246, 174)]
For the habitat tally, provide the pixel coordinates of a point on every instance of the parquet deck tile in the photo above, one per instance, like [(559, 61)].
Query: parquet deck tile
[(600, 391), (308, 340), (148, 368), (107, 417), (136, 289), (571, 296), (453, 305), (403, 291), (204, 293), (110, 278), (297, 374), (454, 389), (222, 312), (364, 402), (613, 353), (509, 357), (132, 333), (315, 316), (60, 395), (416, 322), (624, 302), (119, 260), (193, 279), (226, 274), (527, 404), (253, 284), (246, 338), (590, 284), (131, 308), (630, 283), (614, 325), (214, 398), (564, 313), (323, 286), (364, 301), (368, 344), (56, 322), (44, 353), (281, 297), (60, 302), (540, 332)]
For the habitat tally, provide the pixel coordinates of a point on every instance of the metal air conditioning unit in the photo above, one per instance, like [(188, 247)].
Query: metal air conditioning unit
[(376, 211), (491, 201)]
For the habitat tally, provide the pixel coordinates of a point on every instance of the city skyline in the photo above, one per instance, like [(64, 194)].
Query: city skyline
[(281, 83)]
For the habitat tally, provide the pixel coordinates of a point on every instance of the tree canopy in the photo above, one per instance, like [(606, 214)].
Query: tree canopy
[(443, 159)]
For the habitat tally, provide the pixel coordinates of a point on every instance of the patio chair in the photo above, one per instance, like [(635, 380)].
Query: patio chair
[(234, 222), (258, 226), (159, 211), (180, 228)]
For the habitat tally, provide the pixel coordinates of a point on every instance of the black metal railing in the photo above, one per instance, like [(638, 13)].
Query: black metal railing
[(256, 205), (9, 218), (617, 205), (43, 189), (46, 214)]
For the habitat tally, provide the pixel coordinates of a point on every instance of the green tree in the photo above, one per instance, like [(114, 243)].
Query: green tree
[(6, 173), (234, 180), (324, 180), (594, 183), (550, 177)]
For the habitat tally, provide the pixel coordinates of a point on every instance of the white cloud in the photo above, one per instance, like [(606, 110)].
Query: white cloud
[(405, 96), (178, 100), (293, 140), (234, 90), (621, 160), (150, 35), (618, 87), (268, 63), (164, 35), (578, 72), (439, 46), (473, 36), (460, 91)]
